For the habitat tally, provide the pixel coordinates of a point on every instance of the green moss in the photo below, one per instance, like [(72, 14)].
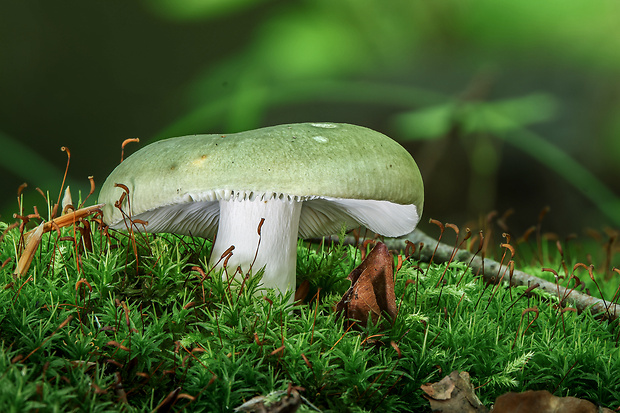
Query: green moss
[(139, 328)]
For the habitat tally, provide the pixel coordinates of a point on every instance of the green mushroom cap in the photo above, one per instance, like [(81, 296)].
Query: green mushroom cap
[(175, 184)]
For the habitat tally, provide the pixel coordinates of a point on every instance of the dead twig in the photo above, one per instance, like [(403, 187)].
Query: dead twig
[(490, 268)]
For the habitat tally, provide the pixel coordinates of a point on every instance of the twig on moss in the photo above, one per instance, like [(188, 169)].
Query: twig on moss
[(491, 268)]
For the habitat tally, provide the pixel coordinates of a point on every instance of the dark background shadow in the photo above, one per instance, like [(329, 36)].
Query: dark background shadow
[(501, 105)]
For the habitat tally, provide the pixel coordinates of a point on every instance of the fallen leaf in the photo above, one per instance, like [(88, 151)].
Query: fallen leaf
[(542, 401), (33, 239), (302, 292), (453, 394), (371, 294), (67, 201), (442, 390)]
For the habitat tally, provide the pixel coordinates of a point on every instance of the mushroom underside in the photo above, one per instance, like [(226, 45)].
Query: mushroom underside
[(319, 217)]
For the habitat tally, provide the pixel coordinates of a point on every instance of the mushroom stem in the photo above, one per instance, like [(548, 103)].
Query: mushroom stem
[(277, 250)]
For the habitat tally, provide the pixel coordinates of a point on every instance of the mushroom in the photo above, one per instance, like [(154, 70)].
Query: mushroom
[(298, 180)]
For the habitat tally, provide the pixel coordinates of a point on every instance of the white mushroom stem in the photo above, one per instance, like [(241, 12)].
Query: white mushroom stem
[(277, 251)]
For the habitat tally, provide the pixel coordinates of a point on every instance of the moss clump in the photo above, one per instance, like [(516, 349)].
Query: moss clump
[(136, 323)]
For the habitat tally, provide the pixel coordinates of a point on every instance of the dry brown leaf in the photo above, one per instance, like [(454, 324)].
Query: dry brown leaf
[(372, 289), (542, 401), (453, 394), (302, 292), (67, 201), (33, 237), (442, 390), (71, 217)]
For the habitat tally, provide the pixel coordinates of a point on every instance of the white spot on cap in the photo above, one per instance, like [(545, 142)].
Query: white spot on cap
[(324, 125), (320, 139)]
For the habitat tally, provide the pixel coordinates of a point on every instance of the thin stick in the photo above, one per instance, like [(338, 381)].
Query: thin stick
[(443, 253), (489, 268)]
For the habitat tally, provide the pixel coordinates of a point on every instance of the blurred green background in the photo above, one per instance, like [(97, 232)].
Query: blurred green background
[(504, 105)]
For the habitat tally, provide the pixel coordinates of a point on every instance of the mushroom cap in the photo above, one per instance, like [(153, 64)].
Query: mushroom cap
[(175, 183)]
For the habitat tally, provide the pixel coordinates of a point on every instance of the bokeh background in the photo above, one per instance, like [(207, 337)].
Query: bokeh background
[(505, 105)]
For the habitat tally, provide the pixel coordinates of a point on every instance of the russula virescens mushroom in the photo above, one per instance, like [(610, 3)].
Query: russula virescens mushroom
[(306, 179)]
